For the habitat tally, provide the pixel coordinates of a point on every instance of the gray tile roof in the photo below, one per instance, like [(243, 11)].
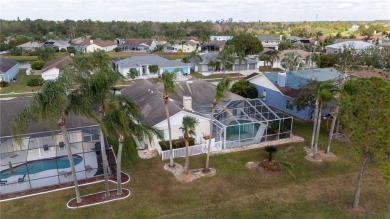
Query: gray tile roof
[(10, 108), (296, 79), (263, 38), (136, 61), (149, 98), (6, 64)]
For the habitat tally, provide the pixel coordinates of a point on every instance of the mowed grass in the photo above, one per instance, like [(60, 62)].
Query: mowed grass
[(323, 190), (20, 85)]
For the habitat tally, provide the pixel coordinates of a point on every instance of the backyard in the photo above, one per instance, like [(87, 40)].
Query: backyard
[(20, 85), (322, 190)]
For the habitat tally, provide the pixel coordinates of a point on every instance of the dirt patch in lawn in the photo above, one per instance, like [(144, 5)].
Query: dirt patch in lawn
[(321, 156), (266, 168), (98, 198), (147, 154), (193, 174)]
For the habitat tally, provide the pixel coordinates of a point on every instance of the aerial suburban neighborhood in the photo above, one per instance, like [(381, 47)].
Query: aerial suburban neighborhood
[(128, 114)]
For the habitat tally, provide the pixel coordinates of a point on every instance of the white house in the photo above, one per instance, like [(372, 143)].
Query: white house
[(138, 45), (142, 64), (90, 45), (30, 46), (339, 47), (51, 69), (220, 38), (8, 69), (269, 41), (191, 99), (187, 46)]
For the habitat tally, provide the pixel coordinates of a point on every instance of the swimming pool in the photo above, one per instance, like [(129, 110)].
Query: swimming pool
[(37, 166)]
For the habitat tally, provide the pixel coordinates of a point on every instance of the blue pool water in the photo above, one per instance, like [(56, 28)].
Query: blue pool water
[(37, 166)]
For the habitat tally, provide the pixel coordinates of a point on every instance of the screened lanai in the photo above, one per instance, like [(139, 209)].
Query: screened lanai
[(249, 121), (40, 159)]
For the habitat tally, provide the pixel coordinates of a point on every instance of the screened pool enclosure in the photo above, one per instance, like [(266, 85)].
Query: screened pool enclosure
[(249, 121), (41, 159)]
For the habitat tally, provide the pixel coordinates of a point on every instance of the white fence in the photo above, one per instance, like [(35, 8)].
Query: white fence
[(192, 150)]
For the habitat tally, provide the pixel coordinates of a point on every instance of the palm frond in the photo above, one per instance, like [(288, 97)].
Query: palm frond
[(222, 87), (168, 80)]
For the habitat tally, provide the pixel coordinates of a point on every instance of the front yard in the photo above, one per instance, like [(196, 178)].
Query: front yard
[(323, 190), (20, 85)]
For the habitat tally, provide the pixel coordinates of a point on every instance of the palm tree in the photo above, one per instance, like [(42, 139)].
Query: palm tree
[(194, 56), (270, 149), (274, 56), (325, 94), (227, 55), (169, 87), (182, 42), (222, 87), (334, 119), (50, 106), (241, 58), (119, 121), (188, 127), (291, 61)]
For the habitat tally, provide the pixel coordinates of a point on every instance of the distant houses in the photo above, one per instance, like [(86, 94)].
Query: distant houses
[(30, 46), (91, 45), (138, 45), (269, 41), (8, 69), (220, 38), (279, 89), (339, 47), (210, 64), (143, 66), (213, 46), (181, 45)]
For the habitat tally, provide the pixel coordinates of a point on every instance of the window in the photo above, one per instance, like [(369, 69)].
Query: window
[(264, 96), (289, 105)]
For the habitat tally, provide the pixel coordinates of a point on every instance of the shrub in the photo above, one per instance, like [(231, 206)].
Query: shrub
[(32, 53), (37, 65), (153, 68), (176, 143), (63, 50), (117, 49), (3, 84), (33, 82), (133, 73)]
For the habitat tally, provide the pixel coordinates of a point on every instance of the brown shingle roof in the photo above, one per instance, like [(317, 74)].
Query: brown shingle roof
[(139, 41), (56, 63)]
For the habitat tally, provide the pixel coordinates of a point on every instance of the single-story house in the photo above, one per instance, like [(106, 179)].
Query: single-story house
[(90, 45), (237, 121), (40, 159), (220, 38), (138, 45), (304, 58), (30, 46), (269, 41), (56, 44), (188, 46), (210, 63), (142, 65), (339, 47), (51, 69), (279, 89), (8, 69), (213, 46)]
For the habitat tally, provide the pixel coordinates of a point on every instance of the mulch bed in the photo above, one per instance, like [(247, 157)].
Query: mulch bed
[(266, 168), (97, 198)]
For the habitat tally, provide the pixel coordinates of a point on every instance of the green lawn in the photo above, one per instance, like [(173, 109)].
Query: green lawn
[(20, 85), (21, 58), (216, 76), (322, 190)]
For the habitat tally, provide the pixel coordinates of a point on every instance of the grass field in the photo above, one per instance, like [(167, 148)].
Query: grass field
[(323, 190), (20, 85)]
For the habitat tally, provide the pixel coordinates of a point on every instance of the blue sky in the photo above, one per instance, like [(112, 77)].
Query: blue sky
[(193, 10)]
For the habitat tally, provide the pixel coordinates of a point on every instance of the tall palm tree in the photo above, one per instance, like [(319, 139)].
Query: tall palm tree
[(241, 58), (325, 94), (274, 56), (291, 61), (169, 87), (221, 88), (120, 121), (227, 55), (50, 106), (188, 127), (195, 56)]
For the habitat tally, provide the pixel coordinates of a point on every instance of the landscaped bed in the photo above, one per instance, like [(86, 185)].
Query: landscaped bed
[(98, 198)]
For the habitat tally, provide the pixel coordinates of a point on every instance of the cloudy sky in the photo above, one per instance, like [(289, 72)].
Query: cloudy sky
[(193, 10)]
